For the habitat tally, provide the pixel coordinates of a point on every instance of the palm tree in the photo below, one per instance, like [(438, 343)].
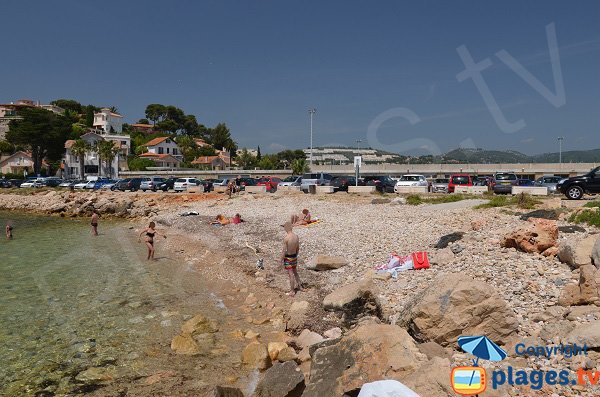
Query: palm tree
[(188, 147), (80, 148), (299, 167), (107, 151)]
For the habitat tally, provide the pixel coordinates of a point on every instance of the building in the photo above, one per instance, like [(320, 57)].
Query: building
[(162, 160), (91, 162), (143, 128), (225, 155), (164, 145), (210, 162), (17, 163), (108, 121), (9, 112), (252, 152)]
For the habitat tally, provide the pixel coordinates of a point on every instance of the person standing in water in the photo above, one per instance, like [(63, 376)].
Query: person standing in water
[(9, 230), (289, 258), (150, 232), (94, 223)]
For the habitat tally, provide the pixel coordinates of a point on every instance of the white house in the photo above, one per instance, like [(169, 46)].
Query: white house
[(164, 145), (108, 121), (91, 162), (17, 163)]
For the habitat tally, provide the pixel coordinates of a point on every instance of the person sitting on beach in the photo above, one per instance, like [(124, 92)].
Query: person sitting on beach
[(9, 230), (303, 219), (221, 220), (289, 258), (150, 232)]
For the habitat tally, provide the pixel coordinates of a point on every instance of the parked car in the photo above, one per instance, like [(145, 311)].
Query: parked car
[(383, 184), (90, 184), (270, 182), (80, 184), (131, 184), (208, 185), (151, 183), (167, 184), (575, 187), (440, 185), (244, 181), (482, 181), (101, 182), (549, 182), (67, 183), (292, 180), (341, 183), (318, 179), (182, 184), (525, 182), (220, 182), (52, 181), (410, 180), (110, 184), (459, 180), (32, 183), (5, 183), (504, 181)]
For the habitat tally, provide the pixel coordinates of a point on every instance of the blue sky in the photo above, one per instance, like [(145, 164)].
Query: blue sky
[(260, 65)]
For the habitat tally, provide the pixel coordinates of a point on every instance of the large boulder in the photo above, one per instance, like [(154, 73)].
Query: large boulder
[(256, 355), (577, 253), (538, 236), (596, 253), (326, 262), (281, 380), (185, 344), (455, 305), (368, 353), (586, 291), (354, 300), (585, 334), (199, 325), (431, 379), (297, 315)]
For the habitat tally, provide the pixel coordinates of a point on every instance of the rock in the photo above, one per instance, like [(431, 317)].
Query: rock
[(555, 329), (430, 378), (577, 253), (380, 275), (281, 380), (297, 315), (308, 338), (596, 254), (477, 224), (354, 300), (256, 355), (544, 214), (95, 375), (333, 333), (274, 348), (159, 377), (538, 236), (326, 262), (552, 313), (304, 355), (368, 353), (199, 325), (551, 252), (442, 257), (587, 290), (185, 344), (444, 241), (571, 229), (251, 335), (219, 391), (455, 305), (587, 333), (398, 201), (381, 201), (251, 299), (432, 349), (287, 354), (580, 312)]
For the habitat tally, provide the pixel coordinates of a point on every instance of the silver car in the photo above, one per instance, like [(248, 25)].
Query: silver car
[(151, 183), (440, 185), (291, 181), (318, 179), (549, 181)]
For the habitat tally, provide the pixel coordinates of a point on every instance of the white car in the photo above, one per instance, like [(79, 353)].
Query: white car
[(291, 181), (81, 185), (32, 184), (181, 184), (411, 180)]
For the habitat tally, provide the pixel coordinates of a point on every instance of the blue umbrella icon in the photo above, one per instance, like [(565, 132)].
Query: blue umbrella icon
[(481, 347)]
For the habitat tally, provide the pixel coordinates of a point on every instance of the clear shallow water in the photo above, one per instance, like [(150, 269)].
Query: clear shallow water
[(70, 301)]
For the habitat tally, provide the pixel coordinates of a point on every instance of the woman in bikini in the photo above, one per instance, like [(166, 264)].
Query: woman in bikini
[(150, 232)]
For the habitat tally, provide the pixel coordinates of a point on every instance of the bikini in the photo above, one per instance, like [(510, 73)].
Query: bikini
[(151, 237)]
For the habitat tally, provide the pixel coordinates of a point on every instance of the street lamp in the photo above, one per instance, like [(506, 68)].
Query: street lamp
[(560, 139), (311, 112), (358, 141)]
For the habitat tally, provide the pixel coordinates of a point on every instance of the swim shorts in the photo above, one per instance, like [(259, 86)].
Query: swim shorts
[(290, 261)]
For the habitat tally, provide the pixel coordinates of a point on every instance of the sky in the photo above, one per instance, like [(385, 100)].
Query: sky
[(388, 74)]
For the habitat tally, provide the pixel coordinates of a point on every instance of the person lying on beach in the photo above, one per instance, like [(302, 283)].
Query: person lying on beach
[(237, 219), (221, 220), (289, 258), (150, 232), (9, 230)]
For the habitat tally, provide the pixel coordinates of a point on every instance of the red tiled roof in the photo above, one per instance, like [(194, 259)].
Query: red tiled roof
[(142, 125), (205, 159), (158, 140)]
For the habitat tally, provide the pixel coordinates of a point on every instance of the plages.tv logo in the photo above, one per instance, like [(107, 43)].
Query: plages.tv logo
[(472, 380)]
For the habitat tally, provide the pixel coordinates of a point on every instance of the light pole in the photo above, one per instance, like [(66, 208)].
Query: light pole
[(311, 112), (560, 139), (358, 141)]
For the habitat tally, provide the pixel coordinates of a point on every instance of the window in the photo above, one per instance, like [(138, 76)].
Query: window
[(160, 150), (175, 152), (167, 150)]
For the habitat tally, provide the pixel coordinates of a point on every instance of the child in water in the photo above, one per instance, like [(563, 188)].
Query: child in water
[(9, 230)]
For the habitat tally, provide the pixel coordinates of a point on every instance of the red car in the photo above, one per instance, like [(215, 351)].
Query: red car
[(459, 180), (270, 182)]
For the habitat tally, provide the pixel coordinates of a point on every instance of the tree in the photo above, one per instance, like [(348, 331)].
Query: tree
[(80, 148), (114, 109), (266, 163), (41, 132), (139, 164), (68, 105), (89, 115), (245, 159), (220, 137), (143, 121), (107, 151), (155, 112), (300, 166), (188, 147), (258, 155), (6, 147), (190, 125), (168, 126)]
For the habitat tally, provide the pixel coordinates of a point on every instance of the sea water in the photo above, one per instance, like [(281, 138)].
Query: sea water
[(70, 301)]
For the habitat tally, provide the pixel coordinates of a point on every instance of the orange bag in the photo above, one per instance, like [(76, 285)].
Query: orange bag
[(420, 260)]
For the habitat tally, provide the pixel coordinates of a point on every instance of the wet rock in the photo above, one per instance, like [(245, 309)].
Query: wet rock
[(538, 236), (297, 315), (444, 241), (256, 355), (326, 262), (368, 353), (543, 214), (577, 253), (455, 305), (185, 344), (354, 300), (281, 380), (95, 375)]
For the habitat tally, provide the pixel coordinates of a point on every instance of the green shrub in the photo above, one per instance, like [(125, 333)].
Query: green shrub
[(522, 200), (592, 204), (591, 217), (413, 199)]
